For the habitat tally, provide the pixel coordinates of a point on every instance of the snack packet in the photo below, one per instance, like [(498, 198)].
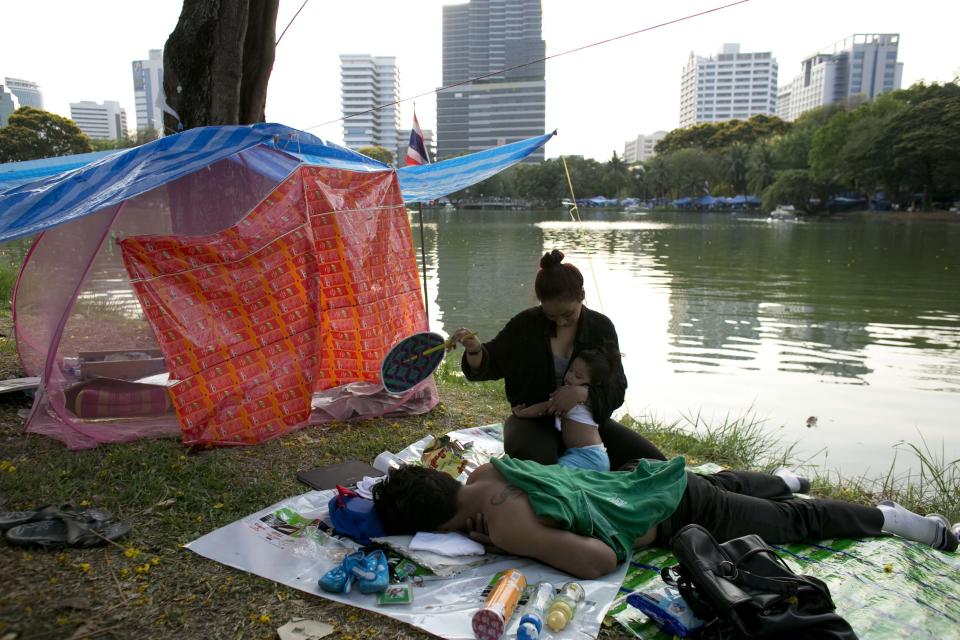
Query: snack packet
[(446, 455)]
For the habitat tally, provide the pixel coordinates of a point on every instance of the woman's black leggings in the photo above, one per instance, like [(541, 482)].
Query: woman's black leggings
[(731, 504), (538, 439)]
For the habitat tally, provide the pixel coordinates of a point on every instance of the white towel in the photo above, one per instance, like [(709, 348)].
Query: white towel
[(365, 486), (447, 544)]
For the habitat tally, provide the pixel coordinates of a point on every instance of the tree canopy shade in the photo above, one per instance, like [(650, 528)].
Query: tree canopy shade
[(31, 134), (720, 135), (382, 154), (217, 62)]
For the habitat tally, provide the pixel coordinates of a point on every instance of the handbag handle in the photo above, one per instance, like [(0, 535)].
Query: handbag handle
[(755, 551)]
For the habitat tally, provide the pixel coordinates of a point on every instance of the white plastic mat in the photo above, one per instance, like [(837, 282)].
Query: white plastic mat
[(297, 556)]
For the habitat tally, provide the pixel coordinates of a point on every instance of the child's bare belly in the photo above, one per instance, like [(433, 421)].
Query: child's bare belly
[(576, 434)]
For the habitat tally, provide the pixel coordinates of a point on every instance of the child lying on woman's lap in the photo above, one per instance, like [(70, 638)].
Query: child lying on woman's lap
[(581, 437)]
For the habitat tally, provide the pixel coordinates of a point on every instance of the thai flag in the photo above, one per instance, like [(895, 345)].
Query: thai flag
[(417, 151)]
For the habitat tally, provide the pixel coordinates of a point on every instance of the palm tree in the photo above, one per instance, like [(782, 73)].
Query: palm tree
[(735, 160), (761, 167)]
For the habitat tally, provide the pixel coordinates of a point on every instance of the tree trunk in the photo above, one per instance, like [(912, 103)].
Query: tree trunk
[(217, 62)]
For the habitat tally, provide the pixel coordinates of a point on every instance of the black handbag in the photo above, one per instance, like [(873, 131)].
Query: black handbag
[(743, 589)]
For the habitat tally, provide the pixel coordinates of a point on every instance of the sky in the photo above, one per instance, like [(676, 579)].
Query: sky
[(597, 98)]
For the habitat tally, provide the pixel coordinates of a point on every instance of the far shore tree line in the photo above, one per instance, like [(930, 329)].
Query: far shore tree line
[(903, 148)]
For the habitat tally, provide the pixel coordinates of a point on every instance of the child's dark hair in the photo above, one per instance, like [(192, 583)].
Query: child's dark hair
[(601, 365), (413, 499), (557, 281)]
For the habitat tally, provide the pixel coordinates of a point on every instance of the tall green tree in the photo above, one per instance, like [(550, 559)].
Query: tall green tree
[(792, 187), (926, 147), (692, 172), (657, 176), (31, 134), (761, 166), (735, 161), (617, 181)]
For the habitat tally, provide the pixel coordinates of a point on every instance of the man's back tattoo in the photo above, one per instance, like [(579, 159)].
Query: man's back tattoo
[(506, 494)]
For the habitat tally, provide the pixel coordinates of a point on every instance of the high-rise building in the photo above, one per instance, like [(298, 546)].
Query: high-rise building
[(148, 91), (27, 92), (642, 147), (403, 142), (8, 104), (730, 85), (107, 121), (480, 39), (370, 87), (862, 65)]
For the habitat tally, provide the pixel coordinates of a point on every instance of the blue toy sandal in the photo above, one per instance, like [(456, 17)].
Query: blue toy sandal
[(373, 574), (340, 578)]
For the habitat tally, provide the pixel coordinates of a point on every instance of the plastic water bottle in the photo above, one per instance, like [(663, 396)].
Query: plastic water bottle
[(531, 622), (564, 605)]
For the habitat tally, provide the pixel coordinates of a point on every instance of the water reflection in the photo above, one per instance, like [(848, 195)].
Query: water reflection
[(840, 318)]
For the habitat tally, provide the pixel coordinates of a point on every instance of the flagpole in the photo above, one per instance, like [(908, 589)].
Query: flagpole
[(423, 258)]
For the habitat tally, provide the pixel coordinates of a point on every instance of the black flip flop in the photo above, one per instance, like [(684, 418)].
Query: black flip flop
[(11, 519), (67, 531)]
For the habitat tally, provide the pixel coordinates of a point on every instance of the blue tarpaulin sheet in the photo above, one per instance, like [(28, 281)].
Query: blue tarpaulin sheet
[(38, 195)]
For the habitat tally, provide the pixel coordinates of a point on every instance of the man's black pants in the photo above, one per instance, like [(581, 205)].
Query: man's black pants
[(731, 504)]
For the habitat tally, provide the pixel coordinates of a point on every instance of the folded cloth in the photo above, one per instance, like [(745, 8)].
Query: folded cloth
[(365, 486), (446, 544)]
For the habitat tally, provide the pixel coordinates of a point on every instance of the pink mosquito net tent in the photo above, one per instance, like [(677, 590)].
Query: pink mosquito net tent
[(227, 284)]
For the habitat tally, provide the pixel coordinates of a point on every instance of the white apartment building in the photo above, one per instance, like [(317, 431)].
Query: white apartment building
[(729, 85), (107, 121), (28, 92), (642, 147), (148, 91), (368, 82), (861, 65)]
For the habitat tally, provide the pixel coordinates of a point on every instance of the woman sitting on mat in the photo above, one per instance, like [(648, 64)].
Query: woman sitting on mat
[(593, 369), (532, 352), (586, 522)]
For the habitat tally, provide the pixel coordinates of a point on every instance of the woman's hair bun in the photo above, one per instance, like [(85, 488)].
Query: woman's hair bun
[(551, 259)]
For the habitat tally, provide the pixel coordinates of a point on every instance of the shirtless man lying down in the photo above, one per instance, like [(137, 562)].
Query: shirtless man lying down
[(586, 522)]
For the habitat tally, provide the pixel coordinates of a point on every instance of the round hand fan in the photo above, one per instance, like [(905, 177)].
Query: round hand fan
[(411, 361)]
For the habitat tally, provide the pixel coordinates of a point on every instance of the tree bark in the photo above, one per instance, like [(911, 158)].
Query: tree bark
[(217, 62)]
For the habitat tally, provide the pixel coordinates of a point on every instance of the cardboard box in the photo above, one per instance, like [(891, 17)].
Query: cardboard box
[(121, 364)]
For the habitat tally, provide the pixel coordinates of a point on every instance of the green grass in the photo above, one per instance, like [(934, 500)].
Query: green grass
[(734, 442), (932, 485), (8, 278)]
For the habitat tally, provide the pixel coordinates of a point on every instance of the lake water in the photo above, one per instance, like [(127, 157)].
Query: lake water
[(853, 322)]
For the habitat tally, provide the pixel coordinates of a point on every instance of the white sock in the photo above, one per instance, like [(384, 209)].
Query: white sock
[(912, 526), (795, 483)]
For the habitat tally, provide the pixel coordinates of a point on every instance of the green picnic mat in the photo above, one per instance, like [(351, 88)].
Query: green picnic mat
[(884, 587)]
